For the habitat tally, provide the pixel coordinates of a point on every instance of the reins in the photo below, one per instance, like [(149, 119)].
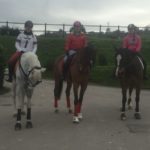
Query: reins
[(26, 75)]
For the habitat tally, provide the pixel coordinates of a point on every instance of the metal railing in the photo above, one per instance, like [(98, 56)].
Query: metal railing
[(45, 28)]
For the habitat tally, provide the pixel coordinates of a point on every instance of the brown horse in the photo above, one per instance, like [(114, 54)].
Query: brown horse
[(78, 75), (130, 72)]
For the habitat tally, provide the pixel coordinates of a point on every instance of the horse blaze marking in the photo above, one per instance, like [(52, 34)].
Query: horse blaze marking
[(118, 63)]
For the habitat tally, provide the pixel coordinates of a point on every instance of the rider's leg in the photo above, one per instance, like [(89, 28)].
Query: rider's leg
[(145, 67), (11, 64)]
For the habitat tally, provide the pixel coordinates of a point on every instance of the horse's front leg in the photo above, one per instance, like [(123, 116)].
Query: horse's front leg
[(29, 93), (129, 99), (124, 99), (137, 99), (69, 84), (75, 89), (82, 91), (19, 103)]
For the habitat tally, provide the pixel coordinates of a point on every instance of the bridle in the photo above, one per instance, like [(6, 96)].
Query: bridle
[(28, 81)]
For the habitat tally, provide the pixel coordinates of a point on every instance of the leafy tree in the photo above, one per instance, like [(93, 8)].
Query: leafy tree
[(4, 30)]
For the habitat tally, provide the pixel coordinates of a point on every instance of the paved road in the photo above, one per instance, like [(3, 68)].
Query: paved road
[(101, 128)]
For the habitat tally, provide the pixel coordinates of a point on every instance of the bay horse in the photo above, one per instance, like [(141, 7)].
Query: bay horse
[(129, 70), (78, 75), (27, 75)]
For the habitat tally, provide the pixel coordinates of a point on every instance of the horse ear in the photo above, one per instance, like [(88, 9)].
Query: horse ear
[(43, 69)]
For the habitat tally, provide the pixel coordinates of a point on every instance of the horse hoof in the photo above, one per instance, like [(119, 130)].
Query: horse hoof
[(70, 111), (18, 126), (29, 125), (137, 116), (123, 116), (56, 111), (75, 119), (80, 116)]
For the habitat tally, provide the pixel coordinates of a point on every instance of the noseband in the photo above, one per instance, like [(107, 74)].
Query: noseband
[(29, 82)]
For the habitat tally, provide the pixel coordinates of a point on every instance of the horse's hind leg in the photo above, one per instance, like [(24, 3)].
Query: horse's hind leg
[(75, 89), (69, 84), (82, 91), (137, 99), (124, 99), (29, 95), (57, 92), (14, 98), (129, 99)]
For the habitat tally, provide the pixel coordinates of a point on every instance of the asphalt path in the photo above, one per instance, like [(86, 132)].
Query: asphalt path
[(100, 129)]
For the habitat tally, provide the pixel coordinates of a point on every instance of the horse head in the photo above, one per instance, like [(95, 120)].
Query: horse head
[(31, 69), (124, 59)]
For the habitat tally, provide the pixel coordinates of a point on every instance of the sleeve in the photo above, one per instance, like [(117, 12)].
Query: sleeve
[(17, 44), (35, 44), (125, 43), (85, 41), (138, 48), (67, 43)]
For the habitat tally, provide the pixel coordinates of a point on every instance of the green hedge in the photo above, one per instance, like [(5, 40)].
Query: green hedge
[(49, 48), (2, 66)]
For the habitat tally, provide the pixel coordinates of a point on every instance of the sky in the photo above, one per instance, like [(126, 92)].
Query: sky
[(89, 12)]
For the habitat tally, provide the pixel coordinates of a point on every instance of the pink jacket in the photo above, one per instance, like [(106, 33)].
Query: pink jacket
[(132, 42), (75, 42)]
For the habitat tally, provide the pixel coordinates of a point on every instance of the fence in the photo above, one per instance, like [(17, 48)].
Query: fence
[(45, 28)]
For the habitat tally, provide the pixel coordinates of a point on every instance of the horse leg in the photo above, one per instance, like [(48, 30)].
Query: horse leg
[(124, 99), (57, 92), (14, 98), (19, 103), (29, 93), (75, 89), (129, 99), (69, 84), (82, 91), (137, 99)]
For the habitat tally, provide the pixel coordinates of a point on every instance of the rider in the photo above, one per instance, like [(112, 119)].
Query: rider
[(26, 41), (132, 41), (75, 41)]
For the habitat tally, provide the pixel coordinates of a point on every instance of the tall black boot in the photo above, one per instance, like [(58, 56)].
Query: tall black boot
[(145, 71)]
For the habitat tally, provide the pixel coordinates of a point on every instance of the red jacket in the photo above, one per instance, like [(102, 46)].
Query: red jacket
[(132, 42), (75, 42)]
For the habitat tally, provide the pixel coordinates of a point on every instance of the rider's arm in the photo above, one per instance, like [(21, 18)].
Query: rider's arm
[(18, 43), (67, 43), (138, 46), (125, 42), (34, 45)]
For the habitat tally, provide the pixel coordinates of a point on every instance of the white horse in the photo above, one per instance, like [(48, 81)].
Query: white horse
[(28, 74)]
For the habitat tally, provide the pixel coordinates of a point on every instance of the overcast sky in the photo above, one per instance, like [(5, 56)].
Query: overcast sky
[(91, 12)]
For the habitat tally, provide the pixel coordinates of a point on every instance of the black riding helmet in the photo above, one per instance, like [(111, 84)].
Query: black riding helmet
[(28, 24)]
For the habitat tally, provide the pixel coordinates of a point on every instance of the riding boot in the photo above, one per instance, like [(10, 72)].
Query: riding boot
[(144, 74), (145, 71)]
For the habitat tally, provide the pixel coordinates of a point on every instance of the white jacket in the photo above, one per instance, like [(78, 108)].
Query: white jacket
[(26, 42)]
